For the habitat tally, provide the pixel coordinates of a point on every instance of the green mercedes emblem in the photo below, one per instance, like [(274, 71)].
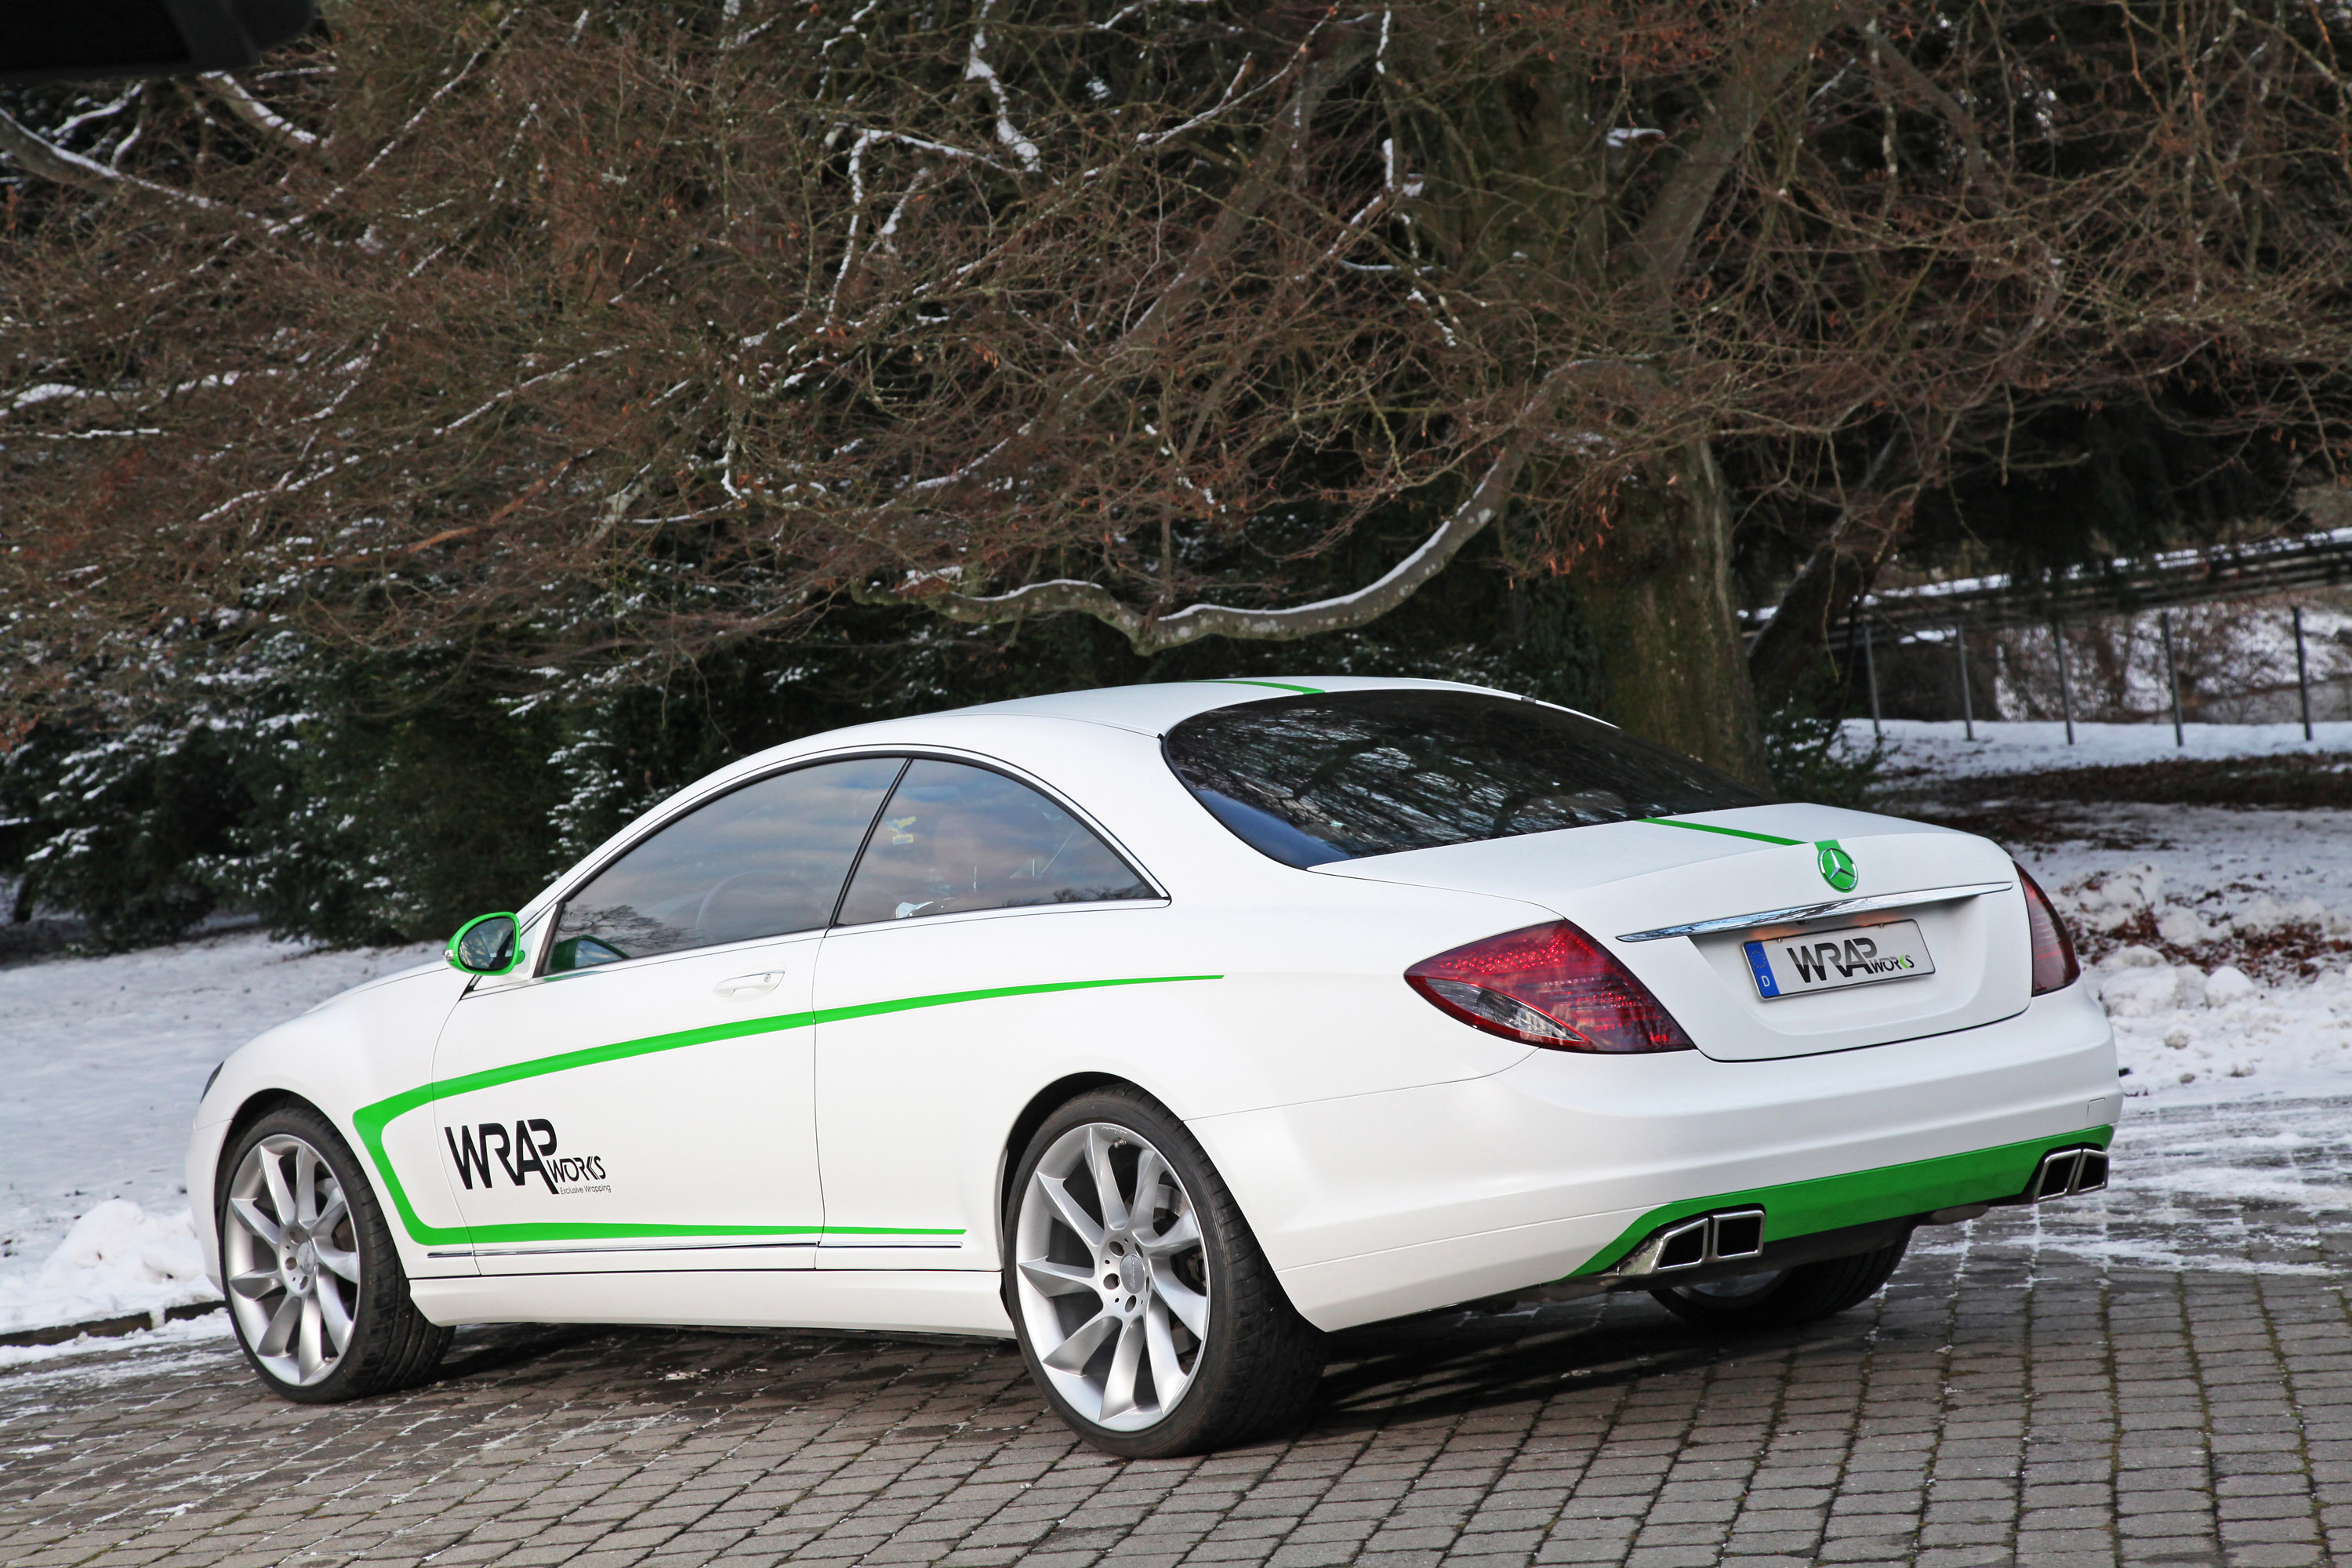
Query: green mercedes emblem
[(1837, 866)]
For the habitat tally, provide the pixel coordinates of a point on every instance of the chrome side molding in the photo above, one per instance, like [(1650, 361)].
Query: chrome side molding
[(1815, 912)]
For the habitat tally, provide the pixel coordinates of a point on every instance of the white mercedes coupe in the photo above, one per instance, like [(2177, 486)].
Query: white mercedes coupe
[(1166, 1028)]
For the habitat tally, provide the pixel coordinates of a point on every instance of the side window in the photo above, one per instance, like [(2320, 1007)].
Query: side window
[(956, 837), (762, 860)]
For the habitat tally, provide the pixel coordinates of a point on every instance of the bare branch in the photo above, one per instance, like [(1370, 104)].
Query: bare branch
[(1782, 39)]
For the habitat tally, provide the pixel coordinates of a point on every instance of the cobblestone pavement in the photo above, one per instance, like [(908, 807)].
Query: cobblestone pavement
[(2162, 1377)]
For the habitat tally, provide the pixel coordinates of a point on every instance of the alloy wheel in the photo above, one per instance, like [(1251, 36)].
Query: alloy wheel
[(1112, 1277), (290, 1255)]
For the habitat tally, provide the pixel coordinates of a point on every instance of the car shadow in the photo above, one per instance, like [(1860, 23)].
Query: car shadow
[(1438, 1367), (1453, 1364), (500, 1347)]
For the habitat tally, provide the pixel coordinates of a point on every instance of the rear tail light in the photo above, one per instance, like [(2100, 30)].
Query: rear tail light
[(2054, 964), (1548, 985)]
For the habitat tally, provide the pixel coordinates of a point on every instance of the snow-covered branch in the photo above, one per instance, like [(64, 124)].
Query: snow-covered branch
[(1152, 633), (257, 114), (51, 162), (977, 69)]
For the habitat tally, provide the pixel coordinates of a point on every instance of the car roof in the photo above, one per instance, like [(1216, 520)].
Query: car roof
[(1154, 707), (1149, 709)]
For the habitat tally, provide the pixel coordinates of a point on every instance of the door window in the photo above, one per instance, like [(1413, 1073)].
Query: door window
[(956, 837), (763, 860)]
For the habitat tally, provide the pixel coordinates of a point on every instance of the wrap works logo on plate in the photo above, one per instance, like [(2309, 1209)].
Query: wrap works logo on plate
[(529, 1151), (1855, 954)]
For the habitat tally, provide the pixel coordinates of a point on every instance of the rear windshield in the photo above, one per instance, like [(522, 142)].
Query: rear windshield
[(1340, 775)]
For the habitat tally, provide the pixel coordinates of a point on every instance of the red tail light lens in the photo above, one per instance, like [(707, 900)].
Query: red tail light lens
[(2054, 964), (1548, 985)]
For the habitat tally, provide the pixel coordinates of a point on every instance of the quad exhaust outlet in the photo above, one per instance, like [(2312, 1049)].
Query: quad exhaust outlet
[(2065, 1172), (1724, 1237)]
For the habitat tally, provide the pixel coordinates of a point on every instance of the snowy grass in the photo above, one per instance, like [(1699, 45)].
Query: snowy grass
[(2219, 937), (1919, 747), (101, 1060)]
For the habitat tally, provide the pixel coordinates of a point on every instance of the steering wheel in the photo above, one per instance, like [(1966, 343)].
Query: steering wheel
[(703, 910)]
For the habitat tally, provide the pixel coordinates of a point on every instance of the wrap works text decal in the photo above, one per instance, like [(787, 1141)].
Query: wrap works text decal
[(1856, 953), (529, 1151)]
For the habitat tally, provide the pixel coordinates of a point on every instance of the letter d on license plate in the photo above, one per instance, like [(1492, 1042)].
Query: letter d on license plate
[(1833, 959)]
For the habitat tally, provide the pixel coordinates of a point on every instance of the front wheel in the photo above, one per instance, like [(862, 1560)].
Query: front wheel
[(315, 1287), (1783, 1297), (1145, 1309)]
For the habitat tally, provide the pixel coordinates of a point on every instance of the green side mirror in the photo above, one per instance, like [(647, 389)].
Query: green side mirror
[(487, 945)]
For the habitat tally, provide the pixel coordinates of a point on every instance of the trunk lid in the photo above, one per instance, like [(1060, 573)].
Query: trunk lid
[(1724, 868)]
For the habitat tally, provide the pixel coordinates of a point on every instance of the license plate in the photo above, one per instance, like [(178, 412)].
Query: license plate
[(1833, 959)]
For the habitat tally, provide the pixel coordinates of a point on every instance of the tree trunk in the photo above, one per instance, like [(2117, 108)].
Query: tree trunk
[(1792, 650), (1656, 593)]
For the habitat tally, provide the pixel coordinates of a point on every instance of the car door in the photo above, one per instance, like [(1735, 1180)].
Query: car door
[(986, 927), (641, 1097)]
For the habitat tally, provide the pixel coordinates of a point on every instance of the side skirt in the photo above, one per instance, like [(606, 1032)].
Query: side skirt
[(914, 1301)]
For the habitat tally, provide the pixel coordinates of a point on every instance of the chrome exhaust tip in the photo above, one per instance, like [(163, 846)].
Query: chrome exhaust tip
[(1725, 1236), (2066, 1172)]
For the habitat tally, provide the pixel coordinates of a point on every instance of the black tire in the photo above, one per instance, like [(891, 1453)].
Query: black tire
[(390, 1344), (1256, 1369), (1786, 1298)]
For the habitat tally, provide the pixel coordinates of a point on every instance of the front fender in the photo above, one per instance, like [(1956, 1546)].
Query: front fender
[(353, 1050)]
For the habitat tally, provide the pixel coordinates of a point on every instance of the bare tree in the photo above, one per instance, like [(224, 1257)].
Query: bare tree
[(565, 336)]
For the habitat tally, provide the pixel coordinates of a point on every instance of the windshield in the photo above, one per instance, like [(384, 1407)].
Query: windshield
[(1340, 775)]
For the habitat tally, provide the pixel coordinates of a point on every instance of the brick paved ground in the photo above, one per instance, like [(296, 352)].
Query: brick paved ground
[(2162, 1378)]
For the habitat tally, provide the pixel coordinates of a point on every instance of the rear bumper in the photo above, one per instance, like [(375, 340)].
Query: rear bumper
[(1378, 1206)]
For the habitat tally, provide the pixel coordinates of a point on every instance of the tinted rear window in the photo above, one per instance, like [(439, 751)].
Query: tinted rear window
[(1340, 775)]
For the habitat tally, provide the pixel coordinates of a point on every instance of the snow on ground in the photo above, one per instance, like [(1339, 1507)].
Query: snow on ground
[(2218, 937), (101, 1061), (1942, 749)]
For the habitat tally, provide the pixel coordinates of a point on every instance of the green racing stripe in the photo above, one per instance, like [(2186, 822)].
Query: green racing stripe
[(1727, 832), (369, 1120), (1862, 1198), (1276, 685)]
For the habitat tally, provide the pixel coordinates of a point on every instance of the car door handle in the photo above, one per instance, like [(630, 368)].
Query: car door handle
[(749, 984)]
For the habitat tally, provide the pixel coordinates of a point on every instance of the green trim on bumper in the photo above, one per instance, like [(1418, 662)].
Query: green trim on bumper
[(1862, 1198), (369, 1120)]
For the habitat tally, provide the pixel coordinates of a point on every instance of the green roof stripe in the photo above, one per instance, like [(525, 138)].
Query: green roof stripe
[(1276, 685), (1727, 832)]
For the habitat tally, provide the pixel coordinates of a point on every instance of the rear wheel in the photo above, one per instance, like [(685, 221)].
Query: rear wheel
[(315, 1287), (1145, 1309), (1782, 1298)]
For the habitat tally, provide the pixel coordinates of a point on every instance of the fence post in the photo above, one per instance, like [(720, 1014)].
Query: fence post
[(1967, 703), (1870, 674), (2302, 673), (2065, 687), (2171, 675)]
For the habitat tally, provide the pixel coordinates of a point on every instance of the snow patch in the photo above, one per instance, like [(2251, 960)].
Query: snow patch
[(101, 1060), (142, 1360), (1941, 747), (117, 1259)]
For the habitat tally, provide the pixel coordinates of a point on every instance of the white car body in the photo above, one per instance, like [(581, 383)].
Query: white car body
[(815, 1130)]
